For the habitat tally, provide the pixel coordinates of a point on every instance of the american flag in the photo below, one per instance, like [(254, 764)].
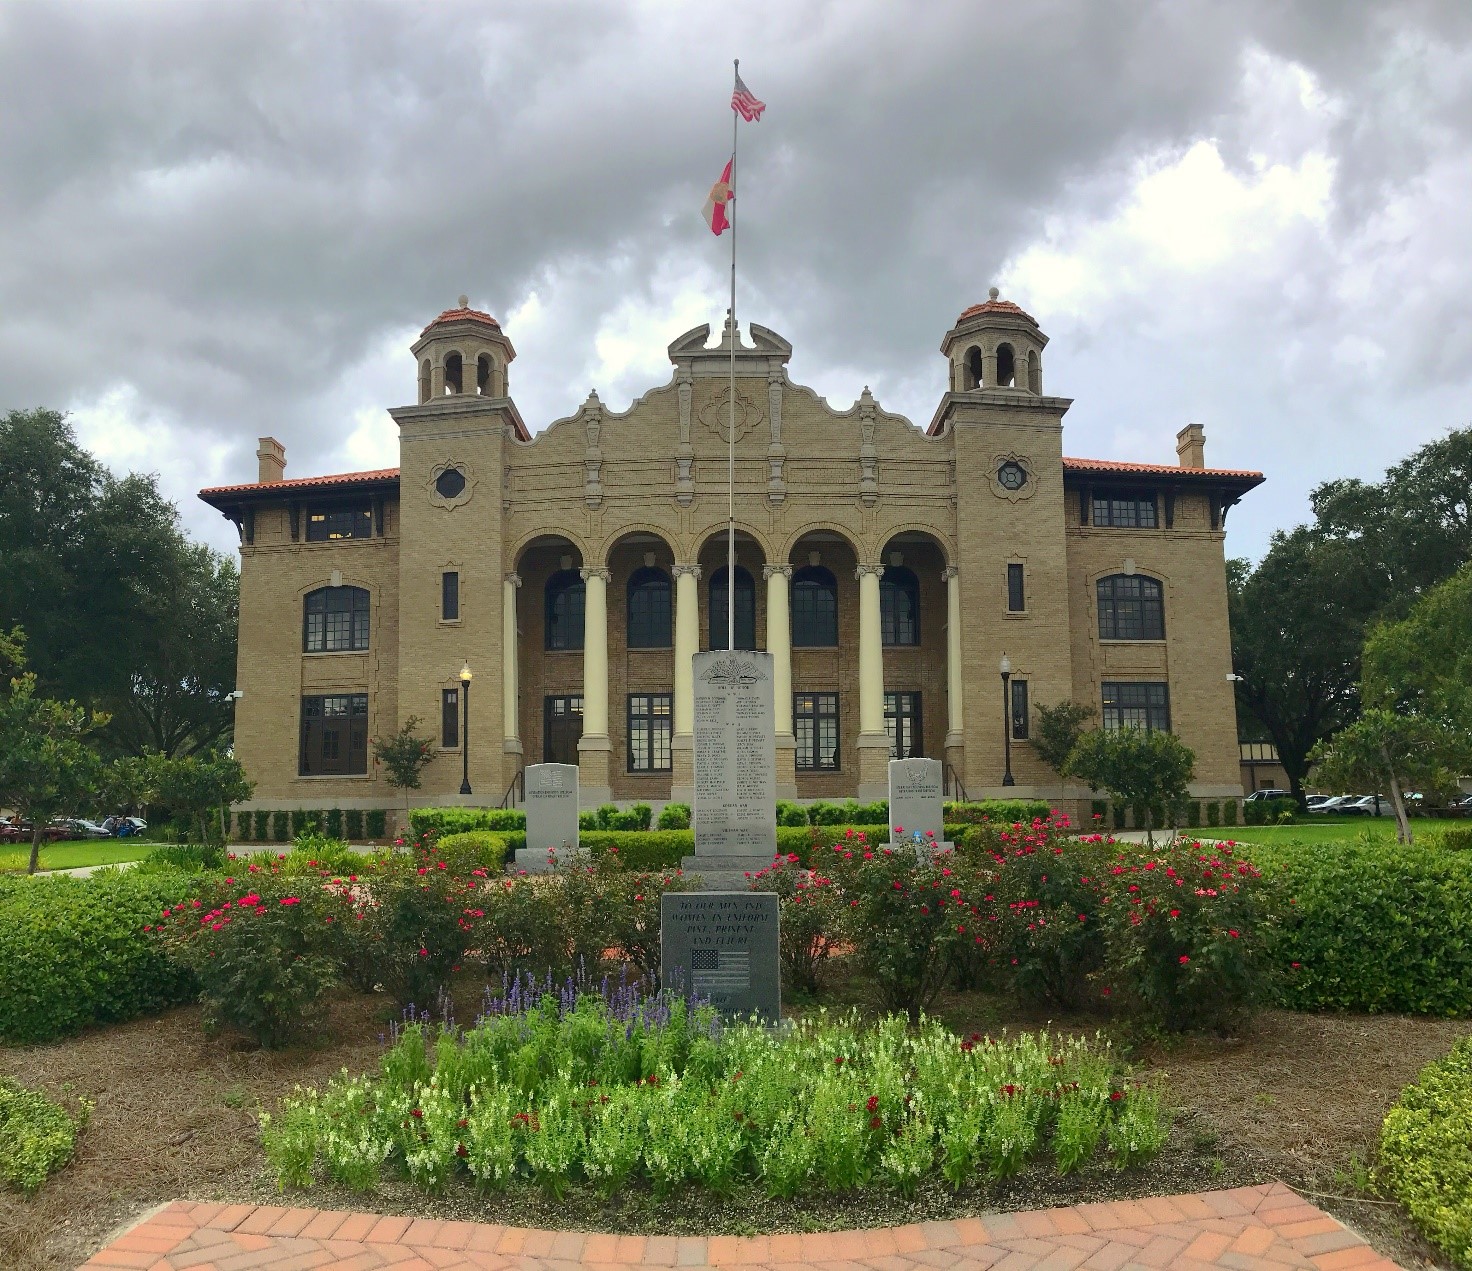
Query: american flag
[(744, 104)]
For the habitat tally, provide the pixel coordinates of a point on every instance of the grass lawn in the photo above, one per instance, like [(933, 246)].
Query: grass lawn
[(1313, 829), (74, 854)]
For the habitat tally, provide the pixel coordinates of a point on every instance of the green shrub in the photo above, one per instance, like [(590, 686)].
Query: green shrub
[(1371, 926), (459, 820), (1213, 813), (243, 823), (37, 1137), (332, 823), (471, 849), (674, 816), (1099, 810), (1118, 809), (280, 827), (1426, 1152), (1006, 811), (75, 952), (262, 950), (1229, 811), (644, 850), (1193, 813), (261, 826), (811, 925), (183, 858), (375, 824), (1455, 838), (789, 813), (353, 824), (1252, 812)]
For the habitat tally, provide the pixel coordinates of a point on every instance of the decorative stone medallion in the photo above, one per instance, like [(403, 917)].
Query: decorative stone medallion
[(1012, 477), (450, 484), (716, 414)]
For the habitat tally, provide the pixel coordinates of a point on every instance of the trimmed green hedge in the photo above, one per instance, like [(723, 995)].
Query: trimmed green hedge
[(75, 952), (1426, 1152), (464, 820), (1371, 927), (278, 827), (37, 1136)]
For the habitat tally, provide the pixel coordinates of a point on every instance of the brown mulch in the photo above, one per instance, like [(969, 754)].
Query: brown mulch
[(1296, 1097)]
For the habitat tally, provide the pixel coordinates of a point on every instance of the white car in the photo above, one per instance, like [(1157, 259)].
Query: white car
[(1333, 804), (1369, 805)]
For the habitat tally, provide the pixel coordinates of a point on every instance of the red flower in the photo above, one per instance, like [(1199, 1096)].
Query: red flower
[(1184, 959), (873, 1103), (875, 1122)]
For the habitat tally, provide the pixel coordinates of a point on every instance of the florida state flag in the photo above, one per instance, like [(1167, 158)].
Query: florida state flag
[(721, 193)]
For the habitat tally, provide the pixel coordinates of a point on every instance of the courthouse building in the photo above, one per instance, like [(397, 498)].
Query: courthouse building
[(888, 568)]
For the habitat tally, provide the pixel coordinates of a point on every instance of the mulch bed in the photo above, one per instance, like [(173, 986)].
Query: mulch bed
[(1296, 1097)]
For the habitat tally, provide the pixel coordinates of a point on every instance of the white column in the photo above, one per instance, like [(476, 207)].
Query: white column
[(871, 651), (687, 645), (779, 643), (595, 652), (510, 666), (954, 693)]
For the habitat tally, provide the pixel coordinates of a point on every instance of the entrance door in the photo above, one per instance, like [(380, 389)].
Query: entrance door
[(562, 728)]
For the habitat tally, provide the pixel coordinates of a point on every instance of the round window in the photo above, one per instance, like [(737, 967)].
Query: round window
[(1011, 475), (450, 484)]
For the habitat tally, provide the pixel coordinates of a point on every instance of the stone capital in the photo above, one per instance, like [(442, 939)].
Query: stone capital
[(513, 578), (679, 571), (862, 569), (595, 571), (771, 571), (950, 571)]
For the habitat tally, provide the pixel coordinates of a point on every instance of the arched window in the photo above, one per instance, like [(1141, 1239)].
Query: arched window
[(454, 373), (1131, 607), (745, 609), (899, 605), (483, 374), (335, 620), (649, 609), (565, 597), (973, 368), (1006, 366), (814, 608)]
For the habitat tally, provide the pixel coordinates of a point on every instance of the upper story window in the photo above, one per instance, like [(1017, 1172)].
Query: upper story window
[(745, 609), (814, 608), (335, 620), (1136, 704), (565, 598), (1016, 590), (649, 609), (450, 596), (1131, 607), (1125, 511), (899, 605), (345, 520)]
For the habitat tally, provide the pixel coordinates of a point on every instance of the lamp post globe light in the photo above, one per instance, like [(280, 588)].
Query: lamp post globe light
[(1006, 669), (465, 730)]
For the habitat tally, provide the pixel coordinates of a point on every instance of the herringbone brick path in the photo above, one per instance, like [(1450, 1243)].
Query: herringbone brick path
[(1265, 1226)]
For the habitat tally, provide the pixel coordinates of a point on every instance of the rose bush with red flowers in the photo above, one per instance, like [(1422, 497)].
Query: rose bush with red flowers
[(811, 916)]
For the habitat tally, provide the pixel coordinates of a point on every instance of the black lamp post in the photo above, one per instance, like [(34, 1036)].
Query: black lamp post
[(1006, 669), (465, 730)]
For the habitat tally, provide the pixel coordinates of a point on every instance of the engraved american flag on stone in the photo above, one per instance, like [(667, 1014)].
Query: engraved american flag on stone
[(720, 968)]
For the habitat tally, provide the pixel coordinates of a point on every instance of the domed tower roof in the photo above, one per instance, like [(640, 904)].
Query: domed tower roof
[(993, 304), (996, 344), (462, 313)]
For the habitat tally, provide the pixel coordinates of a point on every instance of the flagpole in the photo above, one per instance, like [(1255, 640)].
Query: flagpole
[(731, 436)]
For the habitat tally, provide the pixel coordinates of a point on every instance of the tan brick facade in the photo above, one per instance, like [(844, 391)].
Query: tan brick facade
[(602, 494)]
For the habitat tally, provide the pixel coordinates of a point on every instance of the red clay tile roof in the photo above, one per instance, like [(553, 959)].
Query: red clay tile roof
[(1154, 469), (302, 483), (996, 306), (462, 314)]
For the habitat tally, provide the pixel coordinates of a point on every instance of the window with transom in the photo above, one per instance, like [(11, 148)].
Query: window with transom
[(1131, 607), (335, 620), (745, 609), (814, 608), (566, 595)]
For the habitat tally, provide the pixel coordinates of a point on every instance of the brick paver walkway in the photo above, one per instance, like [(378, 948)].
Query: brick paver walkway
[(1266, 1226)]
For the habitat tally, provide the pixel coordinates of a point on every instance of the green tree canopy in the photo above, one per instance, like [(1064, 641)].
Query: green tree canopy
[(1423, 663), (1058, 730), (1146, 767), (121, 611), (197, 786)]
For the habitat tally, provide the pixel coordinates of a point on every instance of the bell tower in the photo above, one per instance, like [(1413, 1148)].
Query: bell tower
[(995, 345), (463, 352)]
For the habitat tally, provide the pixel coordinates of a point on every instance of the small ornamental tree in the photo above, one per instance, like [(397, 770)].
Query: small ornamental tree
[(1147, 767), (1058, 731), (46, 765), (404, 756), (199, 787), (1400, 750)]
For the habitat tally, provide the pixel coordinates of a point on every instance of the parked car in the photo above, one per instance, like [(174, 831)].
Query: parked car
[(1312, 801), (1332, 804), (81, 828), (1261, 796), (9, 831), (1369, 805)]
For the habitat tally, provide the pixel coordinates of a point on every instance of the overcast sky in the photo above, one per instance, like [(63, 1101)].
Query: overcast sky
[(222, 220)]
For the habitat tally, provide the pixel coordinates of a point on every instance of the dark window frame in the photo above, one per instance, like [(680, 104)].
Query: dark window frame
[(745, 608), (815, 724), (1135, 704), (1019, 714), (904, 718), (450, 718), (321, 634), (649, 611), (1126, 509), (650, 729), (1131, 607), (814, 607), (1016, 588), (315, 757), (450, 595), (550, 710), (896, 628), (334, 522), (564, 613)]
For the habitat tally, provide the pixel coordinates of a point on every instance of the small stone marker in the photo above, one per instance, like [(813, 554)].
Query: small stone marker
[(723, 945), (551, 815), (916, 801)]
